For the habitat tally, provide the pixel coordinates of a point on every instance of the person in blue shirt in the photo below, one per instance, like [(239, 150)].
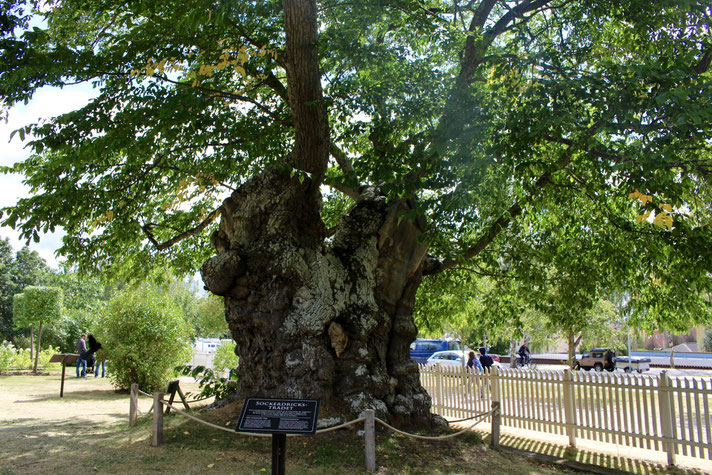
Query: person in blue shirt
[(472, 361), (81, 347)]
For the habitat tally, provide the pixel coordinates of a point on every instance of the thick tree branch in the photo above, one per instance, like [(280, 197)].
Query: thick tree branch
[(348, 170), (435, 266), (226, 94), (147, 230), (311, 126)]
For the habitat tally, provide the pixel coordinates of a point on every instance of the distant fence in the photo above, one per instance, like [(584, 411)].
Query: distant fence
[(654, 412)]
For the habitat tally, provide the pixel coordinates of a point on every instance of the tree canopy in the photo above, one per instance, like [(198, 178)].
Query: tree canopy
[(551, 140)]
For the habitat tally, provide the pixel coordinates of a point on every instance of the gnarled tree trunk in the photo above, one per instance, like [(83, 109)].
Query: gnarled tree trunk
[(318, 317)]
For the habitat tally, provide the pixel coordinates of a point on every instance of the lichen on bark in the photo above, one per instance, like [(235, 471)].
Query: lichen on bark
[(317, 318)]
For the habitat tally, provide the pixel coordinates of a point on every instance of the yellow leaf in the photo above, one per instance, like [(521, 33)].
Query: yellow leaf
[(186, 432), (211, 465), (110, 215), (642, 217), (663, 220), (667, 208), (241, 70), (644, 199)]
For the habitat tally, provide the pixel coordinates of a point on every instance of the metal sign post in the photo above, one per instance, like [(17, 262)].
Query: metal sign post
[(279, 417)]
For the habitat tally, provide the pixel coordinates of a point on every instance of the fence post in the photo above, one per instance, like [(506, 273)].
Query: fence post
[(496, 422), (133, 404), (369, 437), (439, 388), (496, 405), (667, 416), (569, 407), (157, 419)]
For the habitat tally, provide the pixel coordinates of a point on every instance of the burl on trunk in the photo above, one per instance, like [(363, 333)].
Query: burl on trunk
[(317, 317)]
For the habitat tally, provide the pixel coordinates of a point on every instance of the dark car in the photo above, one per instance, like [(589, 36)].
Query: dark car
[(597, 359), (422, 349)]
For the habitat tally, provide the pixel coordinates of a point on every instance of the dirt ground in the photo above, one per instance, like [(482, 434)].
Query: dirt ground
[(87, 431)]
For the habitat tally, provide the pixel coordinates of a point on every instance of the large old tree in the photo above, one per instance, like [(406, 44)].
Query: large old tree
[(329, 156)]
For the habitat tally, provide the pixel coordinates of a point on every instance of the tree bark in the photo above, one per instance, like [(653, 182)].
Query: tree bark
[(32, 345), (311, 127), (37, 352), (315, 317)]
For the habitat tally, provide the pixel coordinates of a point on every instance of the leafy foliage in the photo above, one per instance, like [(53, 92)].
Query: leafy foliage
[(12, 358), (145, 336), (209, 381), (565, 144), (226, 360)]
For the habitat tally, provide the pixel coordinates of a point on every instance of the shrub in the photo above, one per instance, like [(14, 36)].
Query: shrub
[(209, 382), (144, 336), (707, 342), (12, 358), (225, 359)]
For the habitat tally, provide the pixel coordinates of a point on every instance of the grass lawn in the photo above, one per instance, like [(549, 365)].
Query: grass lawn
[(86, 431)]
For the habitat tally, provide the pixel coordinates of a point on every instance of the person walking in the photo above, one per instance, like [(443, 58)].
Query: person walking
[(81, 347), (485, 360), (100, 363), (472, 362)]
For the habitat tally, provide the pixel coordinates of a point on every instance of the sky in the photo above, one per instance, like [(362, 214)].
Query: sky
[(47, 102)]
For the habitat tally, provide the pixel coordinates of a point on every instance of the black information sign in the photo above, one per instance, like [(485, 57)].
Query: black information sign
[(279, 416)]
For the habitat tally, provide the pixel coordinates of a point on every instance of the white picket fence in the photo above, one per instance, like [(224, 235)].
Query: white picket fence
[(653, 412)]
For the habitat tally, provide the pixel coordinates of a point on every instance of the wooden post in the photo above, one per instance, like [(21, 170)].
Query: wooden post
[(496, 405), (133, 404), (172, 386), (61, 387), (369, 438), (157, 420), (496, 422), (182, 397), (569, 406), (667, 416)]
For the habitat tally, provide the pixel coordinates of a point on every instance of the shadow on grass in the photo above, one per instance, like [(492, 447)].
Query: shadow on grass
[(556, 453), (97, 395)]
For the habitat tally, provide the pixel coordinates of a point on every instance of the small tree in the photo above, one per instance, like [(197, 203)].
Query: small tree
[(707, 342), (43, 305), (144, 336), (20, 318)]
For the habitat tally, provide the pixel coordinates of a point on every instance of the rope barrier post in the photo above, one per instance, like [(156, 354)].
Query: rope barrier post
[(157, 420), (369, 437), (133, 404), (496, 421)]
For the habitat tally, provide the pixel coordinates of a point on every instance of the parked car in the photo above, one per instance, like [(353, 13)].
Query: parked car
[(422, 349), (450, 357), (597, 359), (637, 363)]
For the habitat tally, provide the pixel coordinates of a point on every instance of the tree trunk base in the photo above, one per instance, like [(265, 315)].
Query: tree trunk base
[(316, 317)]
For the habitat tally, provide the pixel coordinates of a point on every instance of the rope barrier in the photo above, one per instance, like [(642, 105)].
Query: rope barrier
[(480, 418), (469, 418), (145, 394), (427, 437), (196, 400)]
